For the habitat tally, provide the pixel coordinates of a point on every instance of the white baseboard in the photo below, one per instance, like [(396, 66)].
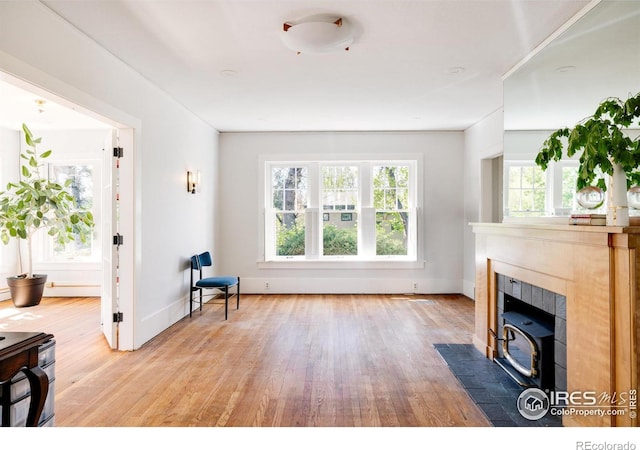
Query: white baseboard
[(469, 289), (367, 285), (72, 291)]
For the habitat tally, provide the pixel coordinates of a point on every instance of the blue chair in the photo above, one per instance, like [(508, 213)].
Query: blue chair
[(222, 283)]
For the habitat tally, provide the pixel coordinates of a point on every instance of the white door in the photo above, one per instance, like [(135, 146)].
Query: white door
[(109, 293)]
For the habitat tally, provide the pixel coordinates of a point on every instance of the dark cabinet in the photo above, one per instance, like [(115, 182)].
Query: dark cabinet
[(27, 377)]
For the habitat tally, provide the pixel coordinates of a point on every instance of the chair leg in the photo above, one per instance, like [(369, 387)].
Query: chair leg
[(191, 292), (226, 301), (200, 299), (238, 294)]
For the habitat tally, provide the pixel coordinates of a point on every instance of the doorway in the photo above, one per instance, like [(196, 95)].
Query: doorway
[(491, 189), (43, 110)]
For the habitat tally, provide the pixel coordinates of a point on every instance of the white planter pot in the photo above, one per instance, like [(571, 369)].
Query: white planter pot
[(617, 208)]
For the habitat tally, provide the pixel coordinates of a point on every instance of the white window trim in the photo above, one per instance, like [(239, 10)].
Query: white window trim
[(313, 261)]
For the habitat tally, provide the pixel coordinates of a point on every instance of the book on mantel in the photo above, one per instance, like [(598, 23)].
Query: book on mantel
[(587, 219)]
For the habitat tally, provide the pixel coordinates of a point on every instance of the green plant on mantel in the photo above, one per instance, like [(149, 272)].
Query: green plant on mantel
[(36, 203), (602, 141)]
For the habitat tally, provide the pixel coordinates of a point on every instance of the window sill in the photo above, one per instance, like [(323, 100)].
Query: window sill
[(337, 264)]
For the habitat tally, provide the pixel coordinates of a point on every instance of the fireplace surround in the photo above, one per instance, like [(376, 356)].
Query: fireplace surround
[(596, 270)]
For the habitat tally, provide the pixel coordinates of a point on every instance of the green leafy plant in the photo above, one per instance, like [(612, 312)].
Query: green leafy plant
[(36, 203), (602, 140)]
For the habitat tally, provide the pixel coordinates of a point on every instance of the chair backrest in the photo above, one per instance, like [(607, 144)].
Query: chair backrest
[(201, 260), (195, 262), (205, 259)]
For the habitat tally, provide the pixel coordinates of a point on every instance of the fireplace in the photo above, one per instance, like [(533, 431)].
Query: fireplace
[(531, 334), (587, 277)]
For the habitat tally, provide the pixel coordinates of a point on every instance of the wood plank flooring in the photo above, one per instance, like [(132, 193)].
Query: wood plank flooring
[(279, 361)]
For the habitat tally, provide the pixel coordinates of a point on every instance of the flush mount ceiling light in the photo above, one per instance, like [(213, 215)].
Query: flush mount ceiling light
[(318, 35)]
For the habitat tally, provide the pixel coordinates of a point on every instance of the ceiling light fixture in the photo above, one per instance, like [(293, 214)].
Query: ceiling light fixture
[(318, 34)]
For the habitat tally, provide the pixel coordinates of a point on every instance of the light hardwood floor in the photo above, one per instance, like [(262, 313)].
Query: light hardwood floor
[(281, 360)]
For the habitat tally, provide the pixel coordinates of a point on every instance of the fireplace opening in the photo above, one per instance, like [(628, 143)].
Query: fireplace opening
[(526, 338)]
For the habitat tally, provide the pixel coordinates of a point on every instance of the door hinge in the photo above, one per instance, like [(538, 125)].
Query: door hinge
[(118, 152), (118, 317), (118, 239)]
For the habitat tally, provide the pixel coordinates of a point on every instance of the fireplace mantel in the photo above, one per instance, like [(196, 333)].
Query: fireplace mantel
[(597, 269)]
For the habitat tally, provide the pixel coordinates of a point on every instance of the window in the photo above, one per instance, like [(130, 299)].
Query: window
[(341, 210), (569, 175), (289, 202), (83, 188), (391, 201), (564, 193), (532, 192), (526, 190), (339, 194)]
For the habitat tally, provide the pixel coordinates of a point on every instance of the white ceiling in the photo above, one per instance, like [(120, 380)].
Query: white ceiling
[(24, 103), (224, 59)]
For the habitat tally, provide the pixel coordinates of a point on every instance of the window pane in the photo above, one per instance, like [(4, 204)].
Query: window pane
[(515, 174), (81, 188), (339, 187), (390, 199), (514, 200), (290, 239), (391, 233), (390, 184), (527, 200), (289, 185), (569, 179), (340, 234), (538, 178), (527, 177), (278, 199)]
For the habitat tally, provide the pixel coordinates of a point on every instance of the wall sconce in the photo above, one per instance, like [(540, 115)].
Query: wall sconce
[(193, 182)]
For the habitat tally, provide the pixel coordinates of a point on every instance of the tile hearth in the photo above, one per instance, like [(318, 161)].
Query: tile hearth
[(489, 386)]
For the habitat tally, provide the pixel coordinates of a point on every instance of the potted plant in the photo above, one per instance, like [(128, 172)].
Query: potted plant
[(36, 203), (605, 149)]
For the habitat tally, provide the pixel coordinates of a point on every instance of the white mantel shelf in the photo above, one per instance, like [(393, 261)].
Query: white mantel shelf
[(597, 269)]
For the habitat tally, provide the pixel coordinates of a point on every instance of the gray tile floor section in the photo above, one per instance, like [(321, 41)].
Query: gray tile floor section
[(489, 386)]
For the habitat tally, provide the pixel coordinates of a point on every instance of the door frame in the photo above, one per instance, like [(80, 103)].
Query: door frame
[(26, 77)]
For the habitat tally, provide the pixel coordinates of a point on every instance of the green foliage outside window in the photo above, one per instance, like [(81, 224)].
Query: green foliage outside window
[(340, 241)]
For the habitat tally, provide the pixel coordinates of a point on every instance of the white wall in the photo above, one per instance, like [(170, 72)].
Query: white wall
[(239, 250), (524, 145), (481, 141), (9, 168), (170, 224)]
